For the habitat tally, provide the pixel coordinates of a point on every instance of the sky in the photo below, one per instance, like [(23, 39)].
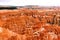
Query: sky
[(30, 2)]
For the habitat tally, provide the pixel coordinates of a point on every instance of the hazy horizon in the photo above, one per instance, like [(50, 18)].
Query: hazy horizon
[(30, 2)]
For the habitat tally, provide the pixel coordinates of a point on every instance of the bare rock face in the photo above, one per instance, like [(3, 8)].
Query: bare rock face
[(29, 24)]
